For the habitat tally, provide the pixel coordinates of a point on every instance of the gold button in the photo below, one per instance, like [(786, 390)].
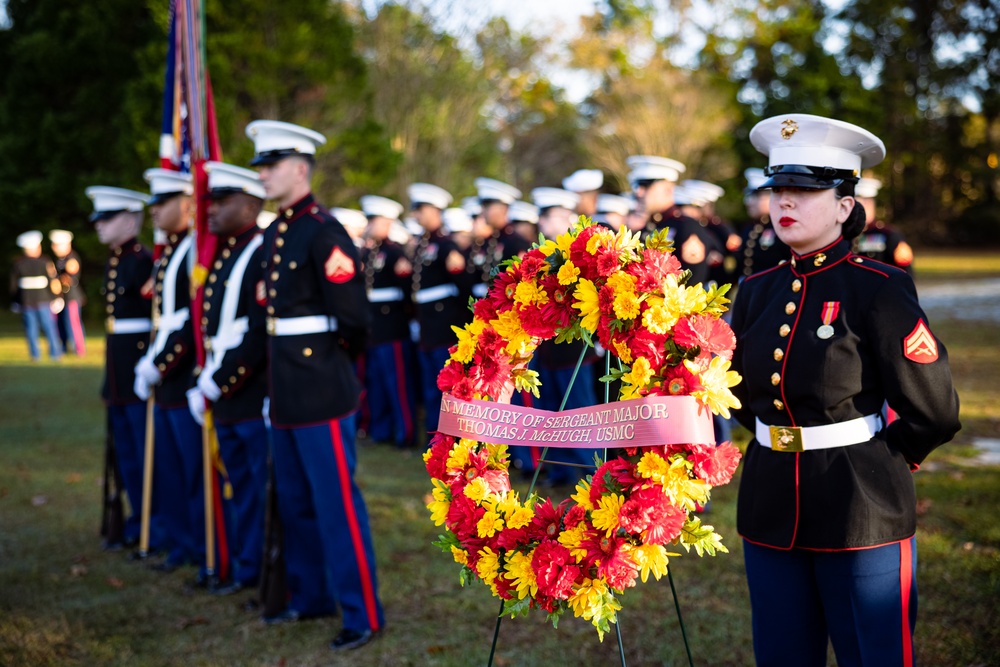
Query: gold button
[(170, 356), (111, 298), (270, 310), (225, 253), (225, 390), (232, 240), (208, 291), (789, 308), (784, 330), (293, 265), (204, 321), (276, 259), (778, 404), (796, 285), (141, 345), (775, 379), (160, 275), (274, 276), (232, 380), (242, 370), (207, 307), (121, 290), (272, 292), (307, 352), (162, 367), (111, 285), (819, 259), (110, 309), (178, 347), (314, 210), (279, 242), (112, 274), (288, 214), (778, 354), (212, 278), (858, 260), (114, 261), (218, 264)]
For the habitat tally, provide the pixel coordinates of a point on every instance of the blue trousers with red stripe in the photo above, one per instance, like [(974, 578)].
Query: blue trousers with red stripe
[(328, 542), (71, 328), (863, 601), (389, 391), (178, 485), (243, 449)]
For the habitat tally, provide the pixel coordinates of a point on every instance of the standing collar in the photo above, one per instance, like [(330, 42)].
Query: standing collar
[(822, 259), (296, 209)]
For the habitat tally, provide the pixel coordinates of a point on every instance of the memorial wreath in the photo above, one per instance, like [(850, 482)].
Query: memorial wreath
[(621, 522)]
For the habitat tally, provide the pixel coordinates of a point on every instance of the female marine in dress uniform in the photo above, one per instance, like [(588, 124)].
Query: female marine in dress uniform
[(825, 341)]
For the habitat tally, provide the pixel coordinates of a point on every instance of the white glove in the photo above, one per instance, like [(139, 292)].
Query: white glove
[(146, 375), (208, 387), (266, 411), (415, 331), (196, 404)]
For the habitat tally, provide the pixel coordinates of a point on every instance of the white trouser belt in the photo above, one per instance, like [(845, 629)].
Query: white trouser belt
[(385, 294), (297, 326), (130, 325), (479, 290), (805, 438), (435, 293), (33, 282)]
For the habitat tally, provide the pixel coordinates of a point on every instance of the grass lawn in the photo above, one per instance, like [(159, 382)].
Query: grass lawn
[(63, 601)]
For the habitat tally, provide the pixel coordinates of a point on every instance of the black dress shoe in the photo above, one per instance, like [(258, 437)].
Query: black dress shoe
[(230, 588), (165, 566), (286, 616), (348, 639)]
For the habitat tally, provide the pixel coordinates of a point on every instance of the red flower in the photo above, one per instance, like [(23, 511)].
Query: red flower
[(654, 267), (440, 446), (715, 465), (679, 381), (512, 538), (607, 262), (614, 476), (559, 309), (535, 322), (485, 310), (450, 374), (644, 343), (582, 259), (647, 510), (666, 519), (555, 569), (710, 334), (463, 515), (609, 556), (547, 522), (531, 264), (491, 373), (463, 390), (501, 294)]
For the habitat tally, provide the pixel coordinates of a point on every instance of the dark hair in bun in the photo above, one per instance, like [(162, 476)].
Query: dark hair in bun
[(855, 223)]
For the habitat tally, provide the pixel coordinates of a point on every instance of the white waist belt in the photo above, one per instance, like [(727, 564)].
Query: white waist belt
[(171, 322), (130, 325), (436, 293), (384, 294), (33, 282), (297, 326), (805, 438), (479, 290)]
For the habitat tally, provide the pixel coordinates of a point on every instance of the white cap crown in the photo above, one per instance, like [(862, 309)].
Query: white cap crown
[(457, 220), (60, 236), (112, 200), (653, 168), (550, 197), (425, 193), (584, 180), (275, 139), (868, 187), (350, 218), (31, 239), (613, 204), (374, 205), (814, 141), (224, 177), (488, 189)]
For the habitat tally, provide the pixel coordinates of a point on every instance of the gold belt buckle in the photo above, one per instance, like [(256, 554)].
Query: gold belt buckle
[(272, 326), (786, 438), (109, 324)]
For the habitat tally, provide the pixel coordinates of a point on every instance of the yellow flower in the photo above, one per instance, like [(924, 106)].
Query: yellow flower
[(489, 525), (624, 353), (477, 489), (508, 326), (651, 559), (602, 238), (680, 300), (468, 337), (572, 538), (587, 303), (592, 600), (629, 244), (442, 501), (626, 306), (605, 517), (582, 495), (458, 459), (508, 503), (675, 478), (658, 318), (528, 293), (519, 570), (521, 517), (637, 378), (716, 380), (653, 466), (568, 273), (460, 555), (488, 566)]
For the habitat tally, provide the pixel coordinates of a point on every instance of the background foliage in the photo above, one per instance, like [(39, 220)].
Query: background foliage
[(445, 91)]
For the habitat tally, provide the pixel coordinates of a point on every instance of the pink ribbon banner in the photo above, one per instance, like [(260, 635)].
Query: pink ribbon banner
[(645, 422)]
